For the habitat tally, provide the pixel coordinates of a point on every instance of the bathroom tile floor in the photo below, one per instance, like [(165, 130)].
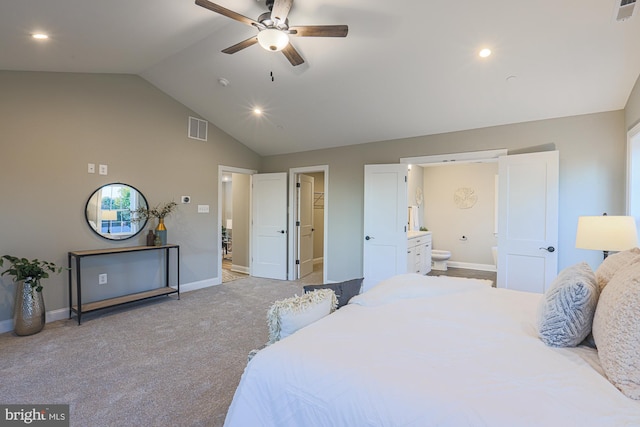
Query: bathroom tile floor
[(465, 272)]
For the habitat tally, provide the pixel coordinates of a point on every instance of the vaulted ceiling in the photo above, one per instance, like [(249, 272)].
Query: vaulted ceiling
[(406, 68)]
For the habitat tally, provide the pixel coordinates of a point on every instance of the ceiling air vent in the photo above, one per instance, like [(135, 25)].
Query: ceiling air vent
[(624, 9), (198, 128)]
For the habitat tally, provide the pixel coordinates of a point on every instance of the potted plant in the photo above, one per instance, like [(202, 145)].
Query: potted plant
[(157, 212), (29, 312)]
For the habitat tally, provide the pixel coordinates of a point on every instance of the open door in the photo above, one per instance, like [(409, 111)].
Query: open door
[(304, 222), (269, 226), (385, 222), (528, 221)]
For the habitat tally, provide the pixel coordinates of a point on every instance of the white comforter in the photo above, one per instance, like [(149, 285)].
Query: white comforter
[(428, 351)]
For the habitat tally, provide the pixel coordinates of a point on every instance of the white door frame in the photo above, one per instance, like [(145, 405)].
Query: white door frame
[(293, 173), (222, 170), (457, 158), (633, 192)]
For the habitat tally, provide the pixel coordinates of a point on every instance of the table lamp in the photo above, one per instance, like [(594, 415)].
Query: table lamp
[(606, 233)]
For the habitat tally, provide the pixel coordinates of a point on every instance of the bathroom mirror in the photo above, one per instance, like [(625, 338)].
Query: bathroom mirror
[(108, 211)]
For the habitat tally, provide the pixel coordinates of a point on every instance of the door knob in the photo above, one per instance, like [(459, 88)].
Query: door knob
[(549, 249), (281, 231), (368, 238)]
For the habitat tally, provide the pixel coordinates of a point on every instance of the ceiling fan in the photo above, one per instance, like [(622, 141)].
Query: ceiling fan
[(274, 30)]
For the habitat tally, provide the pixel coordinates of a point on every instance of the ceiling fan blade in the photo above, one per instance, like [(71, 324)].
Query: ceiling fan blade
[(280, 10), (320, 31), (292, 55), (243, 44), (226, 12)]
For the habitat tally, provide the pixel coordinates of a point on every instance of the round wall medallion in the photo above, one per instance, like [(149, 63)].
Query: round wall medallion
[(465, 197)]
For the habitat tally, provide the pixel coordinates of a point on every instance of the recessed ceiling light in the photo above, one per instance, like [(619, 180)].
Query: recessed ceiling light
[(39, 36), (484, 53), (257, 111)]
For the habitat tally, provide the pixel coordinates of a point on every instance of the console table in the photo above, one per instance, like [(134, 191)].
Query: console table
[(81, 307)]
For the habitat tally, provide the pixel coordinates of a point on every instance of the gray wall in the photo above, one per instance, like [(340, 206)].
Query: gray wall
[(592, 176), (53, 124)]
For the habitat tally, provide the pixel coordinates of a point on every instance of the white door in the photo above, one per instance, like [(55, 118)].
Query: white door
[(385, 222), (528, 221), (269, 225), (304, 222)]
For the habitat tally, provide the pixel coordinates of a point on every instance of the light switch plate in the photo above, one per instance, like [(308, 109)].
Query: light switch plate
[(203, 208), (91, 168), (103, 169)]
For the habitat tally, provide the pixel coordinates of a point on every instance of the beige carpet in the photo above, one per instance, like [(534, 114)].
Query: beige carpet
[(160, 363)]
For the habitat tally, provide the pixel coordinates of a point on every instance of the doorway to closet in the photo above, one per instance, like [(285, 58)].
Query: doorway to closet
[(308, 212)]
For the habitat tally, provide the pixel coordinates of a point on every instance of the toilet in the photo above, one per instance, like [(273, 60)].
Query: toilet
[(439, 259)]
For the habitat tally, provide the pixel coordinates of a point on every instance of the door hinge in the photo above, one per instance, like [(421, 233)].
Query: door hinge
[(405, 178), (297, 223), (298, 184), (297, 262)]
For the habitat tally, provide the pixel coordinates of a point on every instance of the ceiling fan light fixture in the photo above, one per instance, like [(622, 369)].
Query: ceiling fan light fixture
[(273, 40)]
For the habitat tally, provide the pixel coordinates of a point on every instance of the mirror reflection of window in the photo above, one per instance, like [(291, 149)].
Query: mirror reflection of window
[(108, 211)]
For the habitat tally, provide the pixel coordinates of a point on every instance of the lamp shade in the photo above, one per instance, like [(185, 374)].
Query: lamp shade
[(273, 39), (606, 233)]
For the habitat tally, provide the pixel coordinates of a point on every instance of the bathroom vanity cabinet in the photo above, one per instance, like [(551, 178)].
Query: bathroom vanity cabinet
[(419, 252)]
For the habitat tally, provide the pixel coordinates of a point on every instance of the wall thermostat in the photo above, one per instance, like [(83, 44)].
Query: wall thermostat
[(186, 199)]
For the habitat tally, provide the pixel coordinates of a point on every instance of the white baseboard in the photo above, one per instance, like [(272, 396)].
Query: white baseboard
[(194, 286), (240, 269), (6, 325), (63, 313), (51, 316), (472, 266)]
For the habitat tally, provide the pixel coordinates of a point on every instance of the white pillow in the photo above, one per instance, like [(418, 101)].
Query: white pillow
[(614, 263), (412, 285), (616, 330), (288, 315), (566, 312)]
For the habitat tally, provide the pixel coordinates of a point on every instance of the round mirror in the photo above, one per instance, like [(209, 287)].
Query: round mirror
[(108, 211)]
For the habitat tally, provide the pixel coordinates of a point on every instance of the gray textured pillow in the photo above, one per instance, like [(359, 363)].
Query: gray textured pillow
[(567, 309), (616, 329), (344, 290), (614, 263)]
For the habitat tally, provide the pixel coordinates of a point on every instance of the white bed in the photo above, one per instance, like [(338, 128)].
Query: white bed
[(428, 351)]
